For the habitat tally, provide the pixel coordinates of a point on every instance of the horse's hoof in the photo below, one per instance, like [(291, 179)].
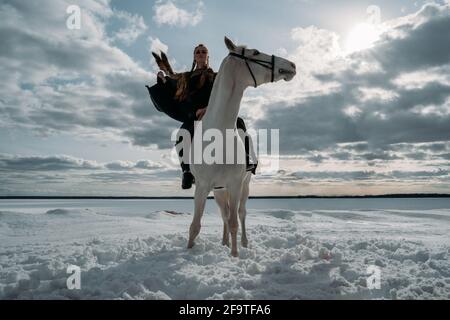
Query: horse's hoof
[(190, 245), (234, 254), (226, 243), (244, 244)]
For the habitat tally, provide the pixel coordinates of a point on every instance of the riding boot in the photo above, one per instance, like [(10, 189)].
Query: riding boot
[(188, 178), (249, 166)]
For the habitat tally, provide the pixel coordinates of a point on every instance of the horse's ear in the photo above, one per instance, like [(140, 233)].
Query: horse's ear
[(230, 45)]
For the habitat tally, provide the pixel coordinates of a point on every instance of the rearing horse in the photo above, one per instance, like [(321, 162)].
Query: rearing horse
[(240, 69)]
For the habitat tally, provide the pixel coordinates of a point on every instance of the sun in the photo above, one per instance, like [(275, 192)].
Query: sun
[(361, 37)]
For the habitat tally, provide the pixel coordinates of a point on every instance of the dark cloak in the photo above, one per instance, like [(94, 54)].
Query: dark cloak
[(162, 96)]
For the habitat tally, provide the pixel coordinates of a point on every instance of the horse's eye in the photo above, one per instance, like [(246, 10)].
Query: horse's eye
[(256, 53)]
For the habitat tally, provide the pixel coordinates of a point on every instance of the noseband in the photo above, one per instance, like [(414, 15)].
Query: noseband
[(265, 64)]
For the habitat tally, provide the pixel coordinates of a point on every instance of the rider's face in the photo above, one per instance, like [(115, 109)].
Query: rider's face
[(201, 55)]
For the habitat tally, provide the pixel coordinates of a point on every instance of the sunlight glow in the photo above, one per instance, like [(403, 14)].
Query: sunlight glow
[(361, 37)]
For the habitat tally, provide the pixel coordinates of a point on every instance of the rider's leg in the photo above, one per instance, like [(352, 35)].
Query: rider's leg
[(248, 147), (187, 178), (187, 127)]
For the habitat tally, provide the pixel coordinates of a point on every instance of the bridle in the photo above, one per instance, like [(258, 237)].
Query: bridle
[(265, 64)]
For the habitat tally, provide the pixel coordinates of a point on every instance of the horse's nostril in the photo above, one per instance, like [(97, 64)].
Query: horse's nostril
[(293, 65)]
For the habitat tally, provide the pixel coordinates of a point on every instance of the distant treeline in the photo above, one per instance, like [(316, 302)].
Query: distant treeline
[(408, 195)]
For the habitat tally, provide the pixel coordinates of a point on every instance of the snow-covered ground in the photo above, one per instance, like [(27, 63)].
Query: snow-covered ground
[(292, 254)]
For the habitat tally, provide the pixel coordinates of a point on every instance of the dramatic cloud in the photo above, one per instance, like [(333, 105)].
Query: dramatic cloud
[(376, 119), (61, 80), (79, 82), (169, 13), (372, 95)]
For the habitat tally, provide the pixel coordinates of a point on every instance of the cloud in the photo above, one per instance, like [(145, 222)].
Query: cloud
[(11, 163), (168, 13), (16, 163), (445, 156), (379, 114), (66, 175), (76, 81), (139, 178), (316, 158), (360, 97), (129, 165), (157, 46), (417, 155), (152, 135), (80, 82), (370, 176), (424, 43), (361, 157), (147, 164), (134, 27), (334, 175), (414, 175)]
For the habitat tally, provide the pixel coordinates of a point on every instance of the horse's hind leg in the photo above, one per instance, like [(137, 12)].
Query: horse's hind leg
[(201, 194), (242, 209), (221, 197)]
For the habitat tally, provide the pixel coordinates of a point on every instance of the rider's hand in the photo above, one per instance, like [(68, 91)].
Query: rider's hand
[(161, 76), (200, 113)]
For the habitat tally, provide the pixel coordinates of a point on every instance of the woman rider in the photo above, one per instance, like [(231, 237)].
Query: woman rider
[(190, 92)]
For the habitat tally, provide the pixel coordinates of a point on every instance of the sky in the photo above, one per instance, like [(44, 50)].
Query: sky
[(367, 113)]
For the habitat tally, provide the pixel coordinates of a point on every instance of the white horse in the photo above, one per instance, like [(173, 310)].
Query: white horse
[(240, 69)]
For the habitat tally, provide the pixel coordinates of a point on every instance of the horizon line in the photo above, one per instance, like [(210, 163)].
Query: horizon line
[(399, 195)]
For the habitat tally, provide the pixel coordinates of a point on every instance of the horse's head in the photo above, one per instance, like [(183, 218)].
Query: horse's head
[(261, 67)]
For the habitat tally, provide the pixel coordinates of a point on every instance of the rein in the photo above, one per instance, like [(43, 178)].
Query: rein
[(266, 64)]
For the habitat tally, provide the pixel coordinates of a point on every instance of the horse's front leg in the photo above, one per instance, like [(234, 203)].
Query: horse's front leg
[(201, 194), (243, 210), (235, 194)]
